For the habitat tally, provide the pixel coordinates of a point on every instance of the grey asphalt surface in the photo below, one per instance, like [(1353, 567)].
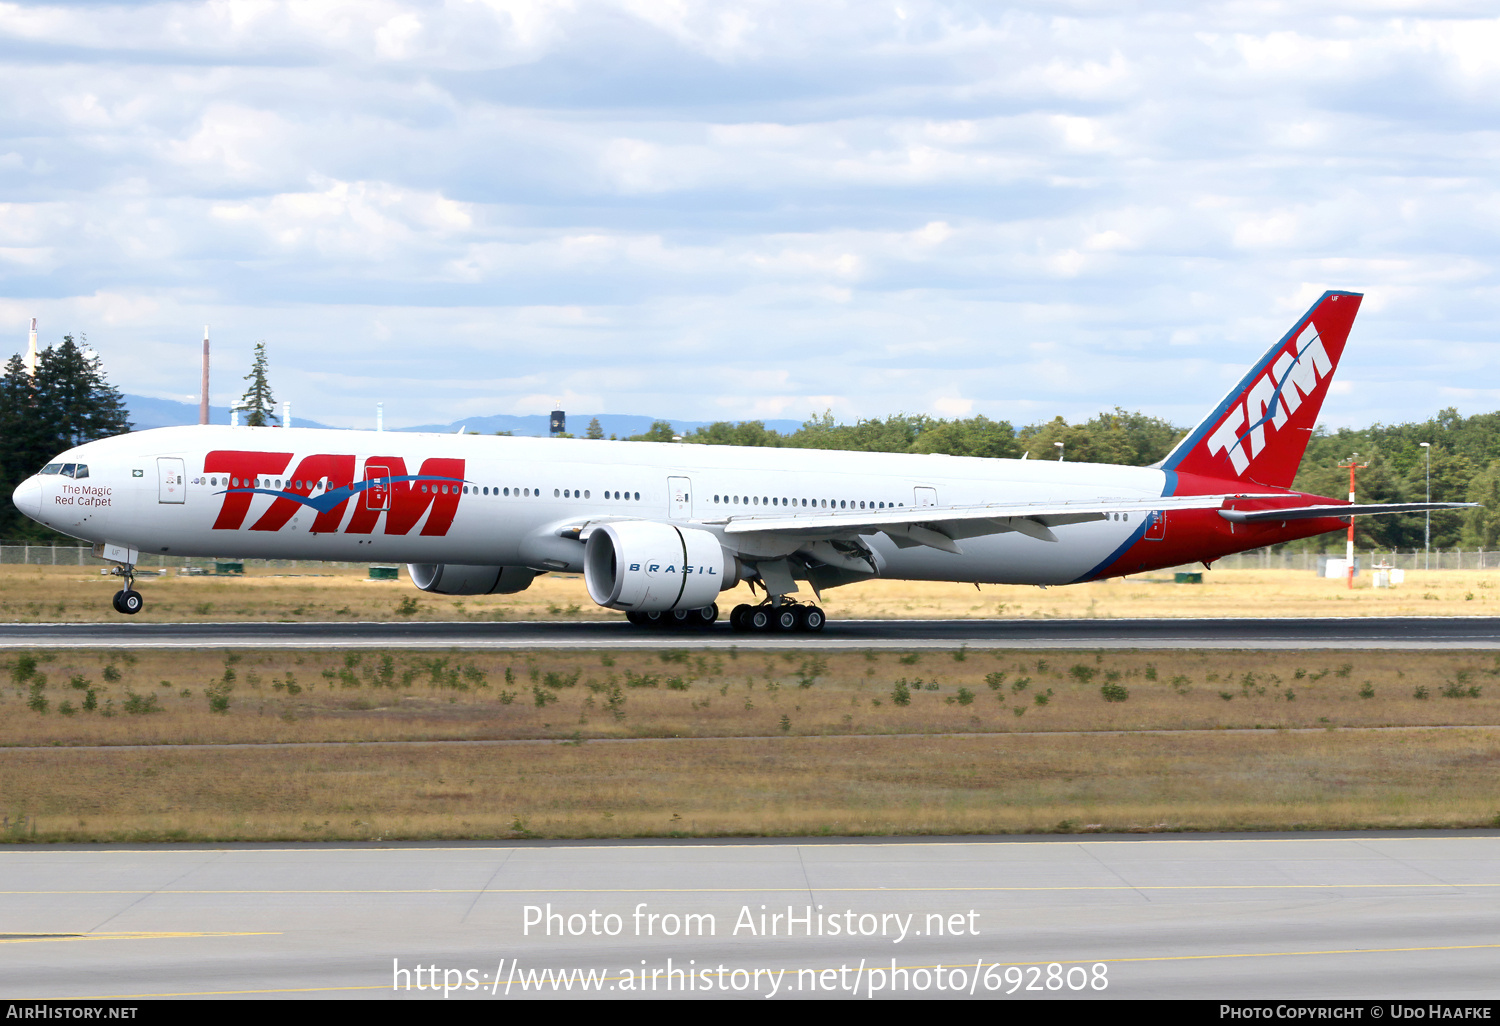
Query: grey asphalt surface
[(1358, 916), (1337, 633)]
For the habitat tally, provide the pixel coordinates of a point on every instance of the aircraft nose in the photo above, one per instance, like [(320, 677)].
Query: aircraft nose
[(28, 497)]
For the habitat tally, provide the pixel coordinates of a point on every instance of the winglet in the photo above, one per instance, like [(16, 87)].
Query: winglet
[(1260, 430)]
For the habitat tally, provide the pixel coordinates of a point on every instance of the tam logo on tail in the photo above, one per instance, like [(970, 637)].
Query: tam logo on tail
[(1270, 402), (1260, 430)]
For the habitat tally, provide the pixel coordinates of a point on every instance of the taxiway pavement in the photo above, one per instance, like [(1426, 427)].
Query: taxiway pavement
[(1353, 916)]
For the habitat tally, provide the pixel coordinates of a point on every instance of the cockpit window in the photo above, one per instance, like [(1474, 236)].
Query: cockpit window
[(52, 468), (81, 471), (68, 468)]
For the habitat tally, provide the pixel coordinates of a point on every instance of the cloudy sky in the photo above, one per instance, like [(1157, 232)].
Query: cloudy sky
[(742, 209)]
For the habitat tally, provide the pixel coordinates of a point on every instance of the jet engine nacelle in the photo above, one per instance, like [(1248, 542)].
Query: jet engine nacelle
[(456, 579), (648, 567)]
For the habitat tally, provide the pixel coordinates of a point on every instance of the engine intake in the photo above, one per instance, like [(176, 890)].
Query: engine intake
[(457, 579), (649, 567)]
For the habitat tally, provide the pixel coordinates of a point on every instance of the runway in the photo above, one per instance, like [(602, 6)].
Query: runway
[(1354, 916), (1247, 633)]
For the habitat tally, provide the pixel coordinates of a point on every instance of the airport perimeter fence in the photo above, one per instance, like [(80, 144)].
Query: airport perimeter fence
[(1255, 559), (1413, 559), (83, 555)]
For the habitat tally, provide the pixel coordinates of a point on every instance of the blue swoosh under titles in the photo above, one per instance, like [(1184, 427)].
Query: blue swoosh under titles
[(334, 497)]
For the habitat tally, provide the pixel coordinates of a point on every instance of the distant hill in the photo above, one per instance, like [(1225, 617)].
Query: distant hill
[(154, 413)]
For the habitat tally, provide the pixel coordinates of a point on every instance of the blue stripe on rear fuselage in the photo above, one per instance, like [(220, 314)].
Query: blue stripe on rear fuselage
[(1169, 488)]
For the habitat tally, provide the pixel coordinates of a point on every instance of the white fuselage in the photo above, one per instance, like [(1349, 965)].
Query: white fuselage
[(519, 493)]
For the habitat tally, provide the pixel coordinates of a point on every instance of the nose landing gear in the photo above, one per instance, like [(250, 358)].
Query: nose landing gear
[(127, 600)]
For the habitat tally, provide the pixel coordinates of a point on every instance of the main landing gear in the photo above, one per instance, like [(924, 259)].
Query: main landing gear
[(786, 617), (678, 619), (127, 600)]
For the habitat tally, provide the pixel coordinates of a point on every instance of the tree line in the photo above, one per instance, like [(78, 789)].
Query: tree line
[(1464, 459), (70, 401), (1120, 437)]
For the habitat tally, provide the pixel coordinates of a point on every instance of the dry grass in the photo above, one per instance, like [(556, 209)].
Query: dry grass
[(46, 593), (792, 786), (161, 697), (842, 757)]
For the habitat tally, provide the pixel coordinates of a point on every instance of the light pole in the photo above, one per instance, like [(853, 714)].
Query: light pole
[(1427, 529), (1059, 451)]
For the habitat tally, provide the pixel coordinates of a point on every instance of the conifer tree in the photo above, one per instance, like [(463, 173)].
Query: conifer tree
[(594, 429), (74, 402), (67, 403), (20, 450), (258, 400)]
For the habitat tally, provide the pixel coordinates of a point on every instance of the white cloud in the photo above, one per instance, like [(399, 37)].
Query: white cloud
[(753, 208), (351, 221), (232, 143)]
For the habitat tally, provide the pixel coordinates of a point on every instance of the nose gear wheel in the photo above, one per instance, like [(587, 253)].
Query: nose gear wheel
[(127, 600)]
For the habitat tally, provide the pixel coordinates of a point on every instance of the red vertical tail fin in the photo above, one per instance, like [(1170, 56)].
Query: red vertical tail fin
[(1259, 432)]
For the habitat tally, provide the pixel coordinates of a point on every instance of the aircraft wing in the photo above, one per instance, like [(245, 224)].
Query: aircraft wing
[(941, 527), (1252, 516)]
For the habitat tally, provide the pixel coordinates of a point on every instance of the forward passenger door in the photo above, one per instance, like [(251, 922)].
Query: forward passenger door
[(170, 480)]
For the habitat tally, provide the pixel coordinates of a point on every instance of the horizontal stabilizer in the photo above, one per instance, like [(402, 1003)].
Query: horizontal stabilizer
[(1240, 516)]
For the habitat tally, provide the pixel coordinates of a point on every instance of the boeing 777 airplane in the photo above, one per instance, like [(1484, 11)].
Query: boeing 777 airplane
[(659, 530)]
